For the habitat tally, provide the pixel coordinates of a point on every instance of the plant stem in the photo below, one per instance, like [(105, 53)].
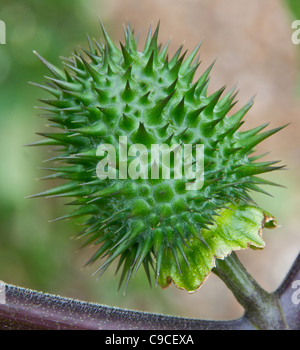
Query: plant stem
[(263, 309), (28, 309)]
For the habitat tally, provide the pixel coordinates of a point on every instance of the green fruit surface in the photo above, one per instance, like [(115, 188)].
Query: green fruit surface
[(108, 92)]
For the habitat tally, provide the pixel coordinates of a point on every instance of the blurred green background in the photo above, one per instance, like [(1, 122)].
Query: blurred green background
[(252, 41)]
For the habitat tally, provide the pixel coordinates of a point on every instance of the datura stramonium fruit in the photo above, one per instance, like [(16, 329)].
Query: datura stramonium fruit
[(107, 94)]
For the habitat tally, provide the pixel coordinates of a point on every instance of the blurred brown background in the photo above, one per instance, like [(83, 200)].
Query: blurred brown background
[(252, 43)]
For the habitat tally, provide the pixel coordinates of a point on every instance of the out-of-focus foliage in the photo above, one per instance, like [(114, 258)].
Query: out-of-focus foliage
[(294, 7), (29, 252)]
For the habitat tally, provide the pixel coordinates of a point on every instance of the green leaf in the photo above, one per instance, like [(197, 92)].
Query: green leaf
[(238, 227)]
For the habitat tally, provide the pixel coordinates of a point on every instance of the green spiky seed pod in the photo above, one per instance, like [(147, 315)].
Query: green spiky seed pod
[(108, 92)]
